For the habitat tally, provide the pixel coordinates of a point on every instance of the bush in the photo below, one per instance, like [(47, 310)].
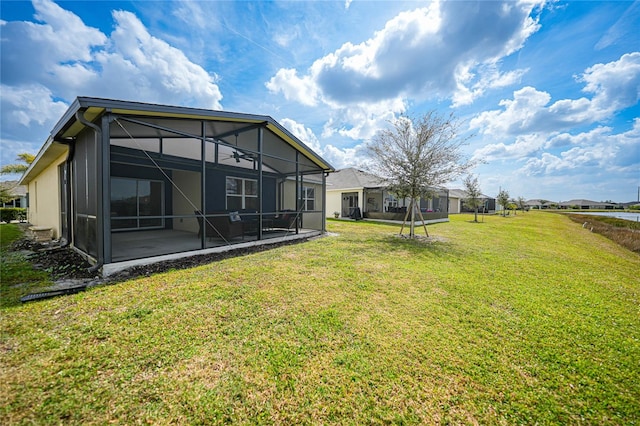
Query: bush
[(7, 214)]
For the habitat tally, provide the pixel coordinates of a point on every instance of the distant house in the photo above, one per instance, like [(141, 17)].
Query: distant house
[(350, 189), (536, 204), (124, 182), (587, 205), (18, 192), (457, 205)]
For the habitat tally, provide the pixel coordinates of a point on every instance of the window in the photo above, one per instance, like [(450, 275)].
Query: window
[(133, 201), (242, 194), (309, 198)]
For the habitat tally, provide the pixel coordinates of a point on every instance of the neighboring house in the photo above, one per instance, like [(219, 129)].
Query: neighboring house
[(537, 204), (457, 205), (18, 192), (348, 189), (124, 180), (587, 204)]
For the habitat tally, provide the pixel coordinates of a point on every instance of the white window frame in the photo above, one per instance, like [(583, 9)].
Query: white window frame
[(243, 192), (306, 198)]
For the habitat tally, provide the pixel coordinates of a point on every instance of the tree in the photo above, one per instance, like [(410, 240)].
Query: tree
[(414, 156), (521, 203), (25, 158), (503, 200), (5, 195), (473, 200)]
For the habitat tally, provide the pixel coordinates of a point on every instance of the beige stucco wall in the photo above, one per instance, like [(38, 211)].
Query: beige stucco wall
[(334, 199), (454, 205), (44, 198), (311, 220), (189, 184)]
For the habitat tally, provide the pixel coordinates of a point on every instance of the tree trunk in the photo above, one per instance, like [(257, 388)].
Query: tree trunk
[(475, 219), (412, 231)]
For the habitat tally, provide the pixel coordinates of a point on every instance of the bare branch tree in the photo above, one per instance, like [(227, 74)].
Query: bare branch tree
[(415, 156), (474, 195)]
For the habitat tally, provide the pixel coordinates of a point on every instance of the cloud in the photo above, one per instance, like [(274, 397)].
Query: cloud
[(157, 72), (27, 110), (341, 158), (62, 43), (596, 151), (67, 58), (614, 86), (524, 147), (294, 88), (444, 50), (625, 26), (303, 133)]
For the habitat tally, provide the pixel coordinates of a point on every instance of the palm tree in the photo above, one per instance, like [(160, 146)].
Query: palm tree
[(24, 157)]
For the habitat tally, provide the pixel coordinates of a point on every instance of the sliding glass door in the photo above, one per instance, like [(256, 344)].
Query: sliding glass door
[(136, 204)]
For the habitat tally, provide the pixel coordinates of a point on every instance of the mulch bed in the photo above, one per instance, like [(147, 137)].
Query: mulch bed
[(64, 263)]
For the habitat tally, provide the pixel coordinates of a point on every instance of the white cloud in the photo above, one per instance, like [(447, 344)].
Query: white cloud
[(303, 133), (615, 86), (444, 50), (596, 151), (294, 88), (341, 158), (32, 104), (67, 58), (156, 71), (625, 26), (524, 147)]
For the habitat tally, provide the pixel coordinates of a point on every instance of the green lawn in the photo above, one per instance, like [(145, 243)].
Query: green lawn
[(17, 275), (517, 320)]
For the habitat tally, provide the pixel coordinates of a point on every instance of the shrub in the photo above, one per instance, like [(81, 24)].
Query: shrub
[(7, 214)]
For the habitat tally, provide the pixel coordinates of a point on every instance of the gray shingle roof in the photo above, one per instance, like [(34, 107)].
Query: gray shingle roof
[(352, 178)]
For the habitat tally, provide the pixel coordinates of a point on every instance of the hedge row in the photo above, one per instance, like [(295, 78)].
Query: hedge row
[(7, 214)]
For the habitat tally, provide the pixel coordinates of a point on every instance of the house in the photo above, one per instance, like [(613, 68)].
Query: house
[(538, 204), (126, 183), (17, 192), (587, 204), (350, 188), (457, 205)]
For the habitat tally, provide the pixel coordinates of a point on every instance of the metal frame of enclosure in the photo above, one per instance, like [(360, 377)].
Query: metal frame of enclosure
[(146, 180), (379, 203)]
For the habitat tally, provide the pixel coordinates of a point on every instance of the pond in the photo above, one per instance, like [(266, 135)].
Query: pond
[(633, 216)]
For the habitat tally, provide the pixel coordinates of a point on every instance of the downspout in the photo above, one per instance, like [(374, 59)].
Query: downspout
[(67, 188), (87, 123)]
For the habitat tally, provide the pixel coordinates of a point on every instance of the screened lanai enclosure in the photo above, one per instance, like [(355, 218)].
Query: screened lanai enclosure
[(143, 180)]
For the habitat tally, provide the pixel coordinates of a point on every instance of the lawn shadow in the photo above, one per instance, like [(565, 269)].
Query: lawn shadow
[(419, 245)]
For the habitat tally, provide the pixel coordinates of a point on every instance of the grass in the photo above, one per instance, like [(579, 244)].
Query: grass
[(525, 319), (624, 232), (17, 276)]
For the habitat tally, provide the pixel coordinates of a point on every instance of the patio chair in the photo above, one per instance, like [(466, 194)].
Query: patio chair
[(221, 225), (286, 219)]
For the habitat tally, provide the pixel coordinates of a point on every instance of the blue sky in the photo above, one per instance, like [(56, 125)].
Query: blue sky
[(549, 91)]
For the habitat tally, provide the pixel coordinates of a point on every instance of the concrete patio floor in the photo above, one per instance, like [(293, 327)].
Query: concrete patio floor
[(145, 247)]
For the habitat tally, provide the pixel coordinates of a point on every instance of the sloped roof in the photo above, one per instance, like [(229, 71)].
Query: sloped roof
[(461, 193), (90, 109), (13, 188), (352, 178), (586, 203)]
